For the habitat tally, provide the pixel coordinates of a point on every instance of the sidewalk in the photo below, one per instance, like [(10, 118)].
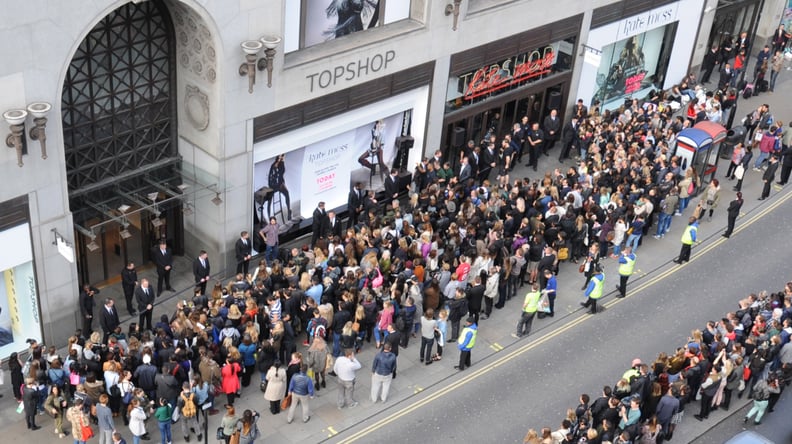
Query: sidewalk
[(327, 420)]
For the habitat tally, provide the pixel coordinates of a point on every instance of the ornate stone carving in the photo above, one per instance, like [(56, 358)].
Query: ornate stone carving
[(196, 52), (196, 106)]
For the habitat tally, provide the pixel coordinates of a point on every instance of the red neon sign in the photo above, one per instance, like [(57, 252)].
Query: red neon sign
[(498, 76)]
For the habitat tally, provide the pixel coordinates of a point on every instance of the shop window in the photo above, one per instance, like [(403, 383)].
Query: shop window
[(471, 87), (632, 67), (312, 22), (475, 6)]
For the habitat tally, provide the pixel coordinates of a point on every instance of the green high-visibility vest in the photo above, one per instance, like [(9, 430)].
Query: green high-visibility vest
[(464, 333), (627, 269), (687, 237), (596, 293), (531, 302)]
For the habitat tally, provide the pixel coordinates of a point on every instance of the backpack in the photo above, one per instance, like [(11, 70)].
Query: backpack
[(400, 323), (320, 331), (188, 410)]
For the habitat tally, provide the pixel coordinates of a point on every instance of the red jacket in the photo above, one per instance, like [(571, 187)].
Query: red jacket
[(230, 373)]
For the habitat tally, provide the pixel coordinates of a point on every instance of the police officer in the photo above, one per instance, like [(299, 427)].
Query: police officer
[(688, 239), (626, 266), (594, 289)]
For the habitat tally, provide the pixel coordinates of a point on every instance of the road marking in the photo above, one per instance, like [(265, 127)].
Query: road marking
[(551, 335), (332, 431), (495, 346), (417, 390)]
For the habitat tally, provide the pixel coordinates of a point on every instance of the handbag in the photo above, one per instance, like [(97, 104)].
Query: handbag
[(582, 267), (563, 253), (219, 434), (234, 438), (176, 415), (86, 431), (286, 402), (739, 172), (329, 362)]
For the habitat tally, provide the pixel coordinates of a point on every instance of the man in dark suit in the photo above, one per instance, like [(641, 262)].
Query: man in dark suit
[(535, 141), (552, 130), (201, 270), (487, 162), (333, 226), (769, 176), (163, 259), (569, 135), (391, 188), (475, 297), (355, 203), (244, 250), (145, 295), (87, 304), (129, 280), (465, 171), (319, 223), (108, 319)]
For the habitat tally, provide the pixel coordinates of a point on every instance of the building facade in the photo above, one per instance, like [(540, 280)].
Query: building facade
[(192, 120)]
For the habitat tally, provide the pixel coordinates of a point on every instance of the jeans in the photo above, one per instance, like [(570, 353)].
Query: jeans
[(758, 408), (426, 349), (165, 431), (663, 223), (632, 241), (380, 335), (761, 158), (271, 253), (511, 286), (773, 77), (616, 249), (683, 203), (336, 344)]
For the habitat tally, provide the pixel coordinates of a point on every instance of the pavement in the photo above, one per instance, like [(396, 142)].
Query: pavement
[(544, 373)]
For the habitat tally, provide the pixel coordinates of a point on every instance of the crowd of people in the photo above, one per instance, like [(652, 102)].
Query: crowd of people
[(748, 351), (436, 264)]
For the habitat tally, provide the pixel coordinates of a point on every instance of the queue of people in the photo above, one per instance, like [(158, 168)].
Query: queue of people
[(747, 352)]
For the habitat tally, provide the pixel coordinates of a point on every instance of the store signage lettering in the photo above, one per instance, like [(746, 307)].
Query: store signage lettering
[(646, 21), (633, 83), (351, 71), (511, 71)]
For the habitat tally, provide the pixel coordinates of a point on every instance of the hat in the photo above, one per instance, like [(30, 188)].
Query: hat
[(636, 361), (471, 319)]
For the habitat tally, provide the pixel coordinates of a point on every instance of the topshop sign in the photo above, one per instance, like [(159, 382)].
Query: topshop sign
[(351, 71)]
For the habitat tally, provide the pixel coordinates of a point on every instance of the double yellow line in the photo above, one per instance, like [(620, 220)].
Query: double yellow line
[(551, 335)]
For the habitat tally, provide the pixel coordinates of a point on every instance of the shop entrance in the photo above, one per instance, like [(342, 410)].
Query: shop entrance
[(497, 117), (119, 131)]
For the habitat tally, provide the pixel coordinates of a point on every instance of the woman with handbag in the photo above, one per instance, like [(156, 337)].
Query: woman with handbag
[(317, 361), (55, 405), (711, 199), (80, 424), (247, 428), (127, 393), (276, 386)]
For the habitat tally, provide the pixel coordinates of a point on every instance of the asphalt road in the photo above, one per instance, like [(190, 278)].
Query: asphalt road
[(531, 382)]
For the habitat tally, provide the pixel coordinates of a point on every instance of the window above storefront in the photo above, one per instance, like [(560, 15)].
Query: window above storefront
[(316, 22)]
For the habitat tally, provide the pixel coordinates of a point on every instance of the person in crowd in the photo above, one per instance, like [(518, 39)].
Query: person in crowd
[(594, 290), (626, 267), (466, 342), (732, 213), (689, 237), (345, 368), (383, 371), (528, 312), (163, 259), (301, 389), (78, 419)]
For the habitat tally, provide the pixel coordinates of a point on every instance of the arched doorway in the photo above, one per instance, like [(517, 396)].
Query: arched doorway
[(120, 130)]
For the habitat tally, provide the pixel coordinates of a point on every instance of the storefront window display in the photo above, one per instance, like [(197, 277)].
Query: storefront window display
[(634, 66), (311, 22), (19, 308), (322, 161)]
